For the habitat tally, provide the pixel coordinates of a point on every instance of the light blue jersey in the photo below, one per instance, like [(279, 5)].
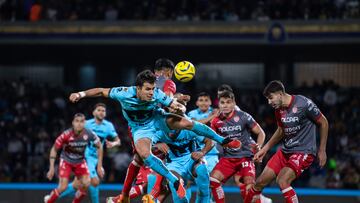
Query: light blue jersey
[(197, 114), (142, 116), (212, 157), (179, 156), (104, 130)]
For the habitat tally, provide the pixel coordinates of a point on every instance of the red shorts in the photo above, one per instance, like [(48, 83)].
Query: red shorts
[(65, 168), (142, 175), (239, 166), (296, 161)]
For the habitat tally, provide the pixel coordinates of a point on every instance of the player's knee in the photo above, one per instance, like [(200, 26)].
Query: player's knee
[(283, 183), (260, 183), (144, 153), (85, 183), (62, 188), (187, 124), (95, 182)]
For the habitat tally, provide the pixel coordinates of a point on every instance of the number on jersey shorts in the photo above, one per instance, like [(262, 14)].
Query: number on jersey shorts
[(239, 166), (296, 161), (79, 169)]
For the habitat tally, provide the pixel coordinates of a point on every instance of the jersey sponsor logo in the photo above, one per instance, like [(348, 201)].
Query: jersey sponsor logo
[(230, 128), (85, 137), (236, 118), (289, 119), (292, 130)]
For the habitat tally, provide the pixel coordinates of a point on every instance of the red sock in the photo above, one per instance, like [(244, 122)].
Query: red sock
[(251, 194), (155, 192), (217, 191), (53, 196), (79, 195), (243, 190), (136, 191), (290, 195), (131, 174)]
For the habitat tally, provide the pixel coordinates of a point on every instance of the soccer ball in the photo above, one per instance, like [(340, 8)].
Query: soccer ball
[(184, 71)]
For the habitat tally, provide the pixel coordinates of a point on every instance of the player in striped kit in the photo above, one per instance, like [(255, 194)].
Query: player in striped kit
[(297, 118), (232, 123)]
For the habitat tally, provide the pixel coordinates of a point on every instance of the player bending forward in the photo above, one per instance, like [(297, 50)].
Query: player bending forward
[(297, 118)]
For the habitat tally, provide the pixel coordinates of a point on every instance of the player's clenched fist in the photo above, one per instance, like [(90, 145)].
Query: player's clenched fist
[(258, 157), (74, 97)]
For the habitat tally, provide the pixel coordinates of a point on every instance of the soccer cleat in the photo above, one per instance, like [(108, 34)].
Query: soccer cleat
[(147, 199), (118, 199), (180, 189), (231, 143), (265, 199), (46, 198)]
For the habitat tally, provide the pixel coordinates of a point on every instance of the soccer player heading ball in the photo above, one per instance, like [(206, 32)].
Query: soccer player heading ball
[(297, 118)]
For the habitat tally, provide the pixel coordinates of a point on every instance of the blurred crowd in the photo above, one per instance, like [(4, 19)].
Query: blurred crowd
[(176, 10), (33, 115)]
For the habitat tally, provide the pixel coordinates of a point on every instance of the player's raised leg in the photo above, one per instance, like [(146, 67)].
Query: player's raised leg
[(143, 146), (179, 123)]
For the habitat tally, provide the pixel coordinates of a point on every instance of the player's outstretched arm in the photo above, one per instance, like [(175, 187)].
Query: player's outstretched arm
[(324, 129), (95, 92), (52, 157), (277, 136), (100, 153)]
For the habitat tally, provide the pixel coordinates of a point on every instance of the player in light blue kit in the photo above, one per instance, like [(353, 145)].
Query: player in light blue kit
[(140, 108), (186, 161), (105, 131), (204, 114)]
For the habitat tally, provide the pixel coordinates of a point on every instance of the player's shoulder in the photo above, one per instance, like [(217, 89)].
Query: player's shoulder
[(108, 123), (90, 121), (89, 131), (193, 112), (301, 100), (67, 133), (217, 121), (125, 91)]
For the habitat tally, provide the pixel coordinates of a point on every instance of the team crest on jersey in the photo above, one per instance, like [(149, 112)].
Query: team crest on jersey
[(236, 118), (85, 137), (294, 110)]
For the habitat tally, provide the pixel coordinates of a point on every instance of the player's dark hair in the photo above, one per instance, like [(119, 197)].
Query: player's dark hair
[(163, 63), (227, 94), (99, 104), (272, 87), (203, 94), (145, 76), (79, 115), (224, 87)]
